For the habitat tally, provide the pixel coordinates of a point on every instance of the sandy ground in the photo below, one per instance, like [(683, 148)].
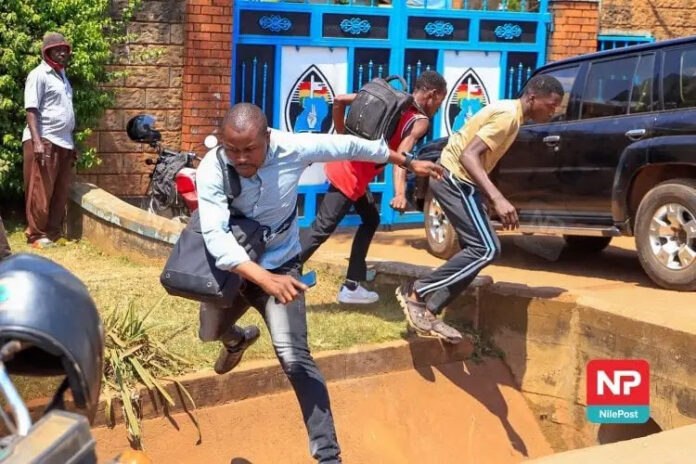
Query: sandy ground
[(458, 412), (612, 279)]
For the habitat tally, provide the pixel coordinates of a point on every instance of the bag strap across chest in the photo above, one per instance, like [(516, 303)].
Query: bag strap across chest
[(232, 186)]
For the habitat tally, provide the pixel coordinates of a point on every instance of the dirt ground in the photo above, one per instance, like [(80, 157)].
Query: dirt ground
[(458, 412), (612, 279)]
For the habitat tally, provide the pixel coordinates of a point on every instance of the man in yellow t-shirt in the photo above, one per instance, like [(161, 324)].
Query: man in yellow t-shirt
[(469, 156)]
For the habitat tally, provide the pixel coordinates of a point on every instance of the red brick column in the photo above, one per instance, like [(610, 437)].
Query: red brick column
[(575, 28), (207, 69)]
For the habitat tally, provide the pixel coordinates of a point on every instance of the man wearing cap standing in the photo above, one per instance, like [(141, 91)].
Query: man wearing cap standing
[(49, 149)]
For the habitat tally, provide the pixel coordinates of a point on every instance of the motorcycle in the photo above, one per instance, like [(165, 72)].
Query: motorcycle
[(38, 337), (171, 191)]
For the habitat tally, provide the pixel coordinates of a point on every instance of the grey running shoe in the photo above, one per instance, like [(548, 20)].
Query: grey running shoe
[(415, 311), (230, 357), (446, 332), (423, 321)]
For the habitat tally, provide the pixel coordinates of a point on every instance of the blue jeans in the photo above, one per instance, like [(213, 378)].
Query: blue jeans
[(287, 325)]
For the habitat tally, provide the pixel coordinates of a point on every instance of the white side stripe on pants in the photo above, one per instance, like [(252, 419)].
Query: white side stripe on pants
[(484, 233)]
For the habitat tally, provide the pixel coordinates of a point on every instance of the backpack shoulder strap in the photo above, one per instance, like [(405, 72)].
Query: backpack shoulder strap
[(230, 178), (419, 108)]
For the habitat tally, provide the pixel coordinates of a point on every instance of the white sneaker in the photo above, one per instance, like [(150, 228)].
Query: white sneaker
[(358, 296)]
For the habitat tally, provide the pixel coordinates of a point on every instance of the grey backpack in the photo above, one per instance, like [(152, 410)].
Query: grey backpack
[(377, 109)]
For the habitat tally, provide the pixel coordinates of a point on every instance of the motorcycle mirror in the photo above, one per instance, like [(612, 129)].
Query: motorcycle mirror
[(210, 141)]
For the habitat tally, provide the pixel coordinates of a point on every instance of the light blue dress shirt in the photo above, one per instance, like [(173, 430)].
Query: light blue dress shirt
[(271, 193)]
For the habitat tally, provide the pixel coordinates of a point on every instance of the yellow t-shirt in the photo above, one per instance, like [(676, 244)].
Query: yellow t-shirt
[(496, 125)]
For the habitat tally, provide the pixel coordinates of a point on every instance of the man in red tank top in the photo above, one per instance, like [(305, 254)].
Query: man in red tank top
[(348, 185)]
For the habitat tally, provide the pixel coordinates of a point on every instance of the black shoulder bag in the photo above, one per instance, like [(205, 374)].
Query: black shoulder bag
[(190, 271)]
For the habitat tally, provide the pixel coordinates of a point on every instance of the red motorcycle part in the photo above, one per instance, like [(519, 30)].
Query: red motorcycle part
[(186, 186)]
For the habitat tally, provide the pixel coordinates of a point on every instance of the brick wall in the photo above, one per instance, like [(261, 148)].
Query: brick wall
[(664, 19), (575, 28), (152, 85), (206, 82)]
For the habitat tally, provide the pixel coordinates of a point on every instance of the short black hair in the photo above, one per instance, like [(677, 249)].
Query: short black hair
[(242, 115), (431, 80), (544, 86)]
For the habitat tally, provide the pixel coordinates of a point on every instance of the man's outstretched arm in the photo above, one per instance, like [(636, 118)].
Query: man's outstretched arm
[(416, 132), (339, 111), (318, 148)]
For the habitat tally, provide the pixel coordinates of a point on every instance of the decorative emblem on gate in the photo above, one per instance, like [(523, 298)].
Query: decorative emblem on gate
[(508, 31), (308, 107), (356, 26), (468, 96), (275, 23), (439, 28)]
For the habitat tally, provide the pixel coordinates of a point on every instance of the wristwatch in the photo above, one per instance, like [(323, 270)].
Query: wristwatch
[(409, 157)]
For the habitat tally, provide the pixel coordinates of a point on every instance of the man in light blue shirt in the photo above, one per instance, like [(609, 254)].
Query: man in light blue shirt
[(47, 143), (270, 164)]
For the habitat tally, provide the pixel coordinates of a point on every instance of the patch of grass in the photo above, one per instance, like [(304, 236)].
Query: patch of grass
[(116, 281)]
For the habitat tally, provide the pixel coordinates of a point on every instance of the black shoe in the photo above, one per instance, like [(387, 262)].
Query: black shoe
[(230, 357)]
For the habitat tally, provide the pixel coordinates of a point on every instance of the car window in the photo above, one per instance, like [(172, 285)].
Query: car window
[(680, 79), (641, 95), (566, 77), (608, 88)]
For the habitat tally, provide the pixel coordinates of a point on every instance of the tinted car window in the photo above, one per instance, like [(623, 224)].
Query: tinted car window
[(566, 77), (608, 88), (641, 95), (680, 79)]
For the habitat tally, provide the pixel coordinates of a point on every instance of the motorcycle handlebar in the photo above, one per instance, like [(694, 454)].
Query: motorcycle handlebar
[(8, 390), (191, 156), (19, 409)]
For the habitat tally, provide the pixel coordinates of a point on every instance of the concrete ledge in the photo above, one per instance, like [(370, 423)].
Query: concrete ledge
[(548, 340), (259, 378), (673, 447), (117, 226)]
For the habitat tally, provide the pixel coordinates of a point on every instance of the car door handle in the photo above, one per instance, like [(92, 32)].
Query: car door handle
[(552, 141), (636, 134)]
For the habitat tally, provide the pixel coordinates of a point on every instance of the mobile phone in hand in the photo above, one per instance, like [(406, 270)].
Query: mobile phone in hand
[(309, 279)]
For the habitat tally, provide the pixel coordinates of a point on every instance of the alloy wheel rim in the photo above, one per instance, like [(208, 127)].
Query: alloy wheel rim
[(673, 236), (437, 222)]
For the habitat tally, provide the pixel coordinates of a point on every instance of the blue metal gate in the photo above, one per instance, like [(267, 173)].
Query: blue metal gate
[(291, 58)]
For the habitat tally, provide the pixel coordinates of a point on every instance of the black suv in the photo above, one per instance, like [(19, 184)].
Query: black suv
[(618, 158)]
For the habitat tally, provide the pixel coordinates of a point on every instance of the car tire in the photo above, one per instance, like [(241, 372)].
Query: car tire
[(665, 234), (584, 244), (442, 239)]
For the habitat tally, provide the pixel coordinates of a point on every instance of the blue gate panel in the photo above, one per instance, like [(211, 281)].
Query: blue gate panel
[(369, 63), (438, 28), (509, 32), (254, 76), (267, 23), (519, 68), (352, 26)]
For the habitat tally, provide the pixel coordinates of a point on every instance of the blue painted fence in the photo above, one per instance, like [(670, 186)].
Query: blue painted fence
[(610, 42)]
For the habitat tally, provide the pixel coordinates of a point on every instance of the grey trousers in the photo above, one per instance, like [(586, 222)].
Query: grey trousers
[(463, 206), (287, 325)]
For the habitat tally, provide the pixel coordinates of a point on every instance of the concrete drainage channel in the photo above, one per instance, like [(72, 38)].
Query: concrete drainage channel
[(546, 338)]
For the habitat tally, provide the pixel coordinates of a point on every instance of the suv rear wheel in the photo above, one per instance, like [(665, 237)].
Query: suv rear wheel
[(586, 244), (666, 234), (442, 239)]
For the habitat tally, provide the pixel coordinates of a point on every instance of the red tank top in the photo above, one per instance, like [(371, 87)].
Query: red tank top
[(352, 177)]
